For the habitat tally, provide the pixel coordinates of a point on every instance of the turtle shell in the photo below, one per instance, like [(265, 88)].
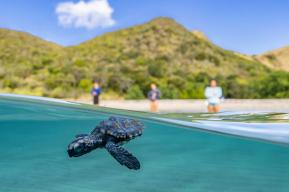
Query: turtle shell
[(121, 128)]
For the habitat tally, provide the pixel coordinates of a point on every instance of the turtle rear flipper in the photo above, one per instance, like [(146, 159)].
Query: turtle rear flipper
[(122, 156)]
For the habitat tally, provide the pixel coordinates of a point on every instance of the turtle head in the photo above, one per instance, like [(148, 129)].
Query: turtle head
[(82, 145)]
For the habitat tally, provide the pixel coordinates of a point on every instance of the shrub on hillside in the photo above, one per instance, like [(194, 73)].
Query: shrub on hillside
[(134, 92)]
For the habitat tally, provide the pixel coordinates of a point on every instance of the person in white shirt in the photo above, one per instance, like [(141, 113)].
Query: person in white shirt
[(213, 95)]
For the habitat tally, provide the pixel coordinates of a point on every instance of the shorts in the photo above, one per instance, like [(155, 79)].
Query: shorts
[(96, 100), (214, 104)]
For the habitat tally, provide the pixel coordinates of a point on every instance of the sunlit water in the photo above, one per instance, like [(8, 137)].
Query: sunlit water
[(178, 152)]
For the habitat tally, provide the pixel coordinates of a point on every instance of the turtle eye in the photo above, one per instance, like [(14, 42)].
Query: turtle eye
[(78, 147)]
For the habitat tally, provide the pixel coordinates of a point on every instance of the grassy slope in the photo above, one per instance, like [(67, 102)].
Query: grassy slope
[(163, 38)]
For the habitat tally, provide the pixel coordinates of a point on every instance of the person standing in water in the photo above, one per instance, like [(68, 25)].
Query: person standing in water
[(154, 95), (95, 93), (213, 95)]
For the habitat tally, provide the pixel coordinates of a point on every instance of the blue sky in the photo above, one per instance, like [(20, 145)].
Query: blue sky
[(247, 26)]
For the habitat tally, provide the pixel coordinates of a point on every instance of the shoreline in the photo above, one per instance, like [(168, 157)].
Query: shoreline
[(197, 105)]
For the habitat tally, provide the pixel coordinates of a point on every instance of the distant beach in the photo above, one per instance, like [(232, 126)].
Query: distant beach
[(197, 106)]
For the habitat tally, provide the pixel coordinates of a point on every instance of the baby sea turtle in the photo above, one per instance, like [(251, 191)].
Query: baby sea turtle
[(109, 134)]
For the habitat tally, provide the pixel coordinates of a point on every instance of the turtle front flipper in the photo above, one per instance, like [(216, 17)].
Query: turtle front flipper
[(81, 135), (122, 156)]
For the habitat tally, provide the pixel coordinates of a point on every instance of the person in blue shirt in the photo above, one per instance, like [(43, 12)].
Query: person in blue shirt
[(95, 92)]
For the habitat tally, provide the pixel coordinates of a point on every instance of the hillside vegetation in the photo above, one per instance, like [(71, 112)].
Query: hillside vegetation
[(125, 62), (276, 59), (25, 62)]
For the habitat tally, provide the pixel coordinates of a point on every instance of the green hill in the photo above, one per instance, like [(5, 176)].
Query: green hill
[(23, 62), (128, 60), (276, 59)]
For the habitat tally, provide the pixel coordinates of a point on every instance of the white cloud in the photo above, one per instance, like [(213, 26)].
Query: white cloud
[(88, 14)]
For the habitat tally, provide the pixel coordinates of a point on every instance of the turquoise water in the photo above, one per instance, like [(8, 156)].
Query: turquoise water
[(184, 154)]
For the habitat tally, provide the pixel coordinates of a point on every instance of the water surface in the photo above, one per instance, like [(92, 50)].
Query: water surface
[(178, 152)]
